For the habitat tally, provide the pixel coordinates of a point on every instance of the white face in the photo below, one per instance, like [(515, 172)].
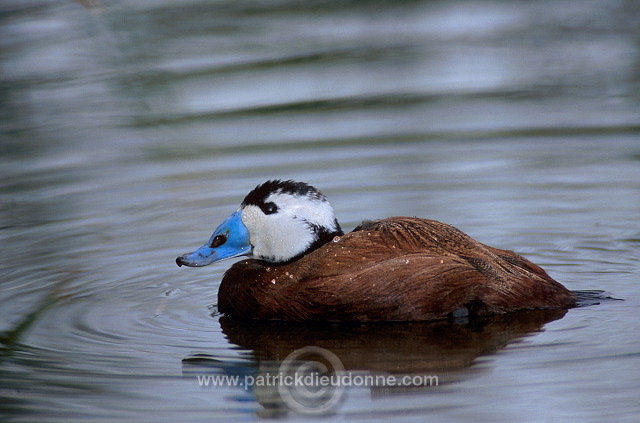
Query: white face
[(289, 231)]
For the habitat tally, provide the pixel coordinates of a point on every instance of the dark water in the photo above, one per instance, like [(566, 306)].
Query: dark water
[(130, 129)]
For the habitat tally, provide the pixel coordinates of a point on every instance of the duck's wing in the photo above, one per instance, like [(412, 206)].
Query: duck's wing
[(417, 269)]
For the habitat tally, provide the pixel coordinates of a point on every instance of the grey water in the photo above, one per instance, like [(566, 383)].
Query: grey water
[(130, 129)]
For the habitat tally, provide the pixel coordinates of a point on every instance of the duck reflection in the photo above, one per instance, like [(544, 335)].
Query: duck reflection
[(387, 358)]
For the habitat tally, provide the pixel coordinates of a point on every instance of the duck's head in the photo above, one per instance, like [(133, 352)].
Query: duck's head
[(277, 222)]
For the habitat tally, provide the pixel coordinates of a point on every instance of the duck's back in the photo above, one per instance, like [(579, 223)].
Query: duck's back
[(399, 268)]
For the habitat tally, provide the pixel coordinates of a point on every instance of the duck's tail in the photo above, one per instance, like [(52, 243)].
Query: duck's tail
[(593, 297)]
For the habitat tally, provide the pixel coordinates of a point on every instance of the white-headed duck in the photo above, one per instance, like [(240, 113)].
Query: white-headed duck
[(304, 268)]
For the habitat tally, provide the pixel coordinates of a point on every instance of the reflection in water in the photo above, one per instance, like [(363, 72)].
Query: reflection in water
[(432, 353)]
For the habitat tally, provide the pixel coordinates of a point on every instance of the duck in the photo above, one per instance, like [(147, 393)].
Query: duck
[(300, 266)]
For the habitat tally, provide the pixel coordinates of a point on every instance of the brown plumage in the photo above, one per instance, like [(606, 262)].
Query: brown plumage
[(399, 268)]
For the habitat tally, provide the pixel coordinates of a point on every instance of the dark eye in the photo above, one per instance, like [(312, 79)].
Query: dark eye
[(269, 208), (218, 241)]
